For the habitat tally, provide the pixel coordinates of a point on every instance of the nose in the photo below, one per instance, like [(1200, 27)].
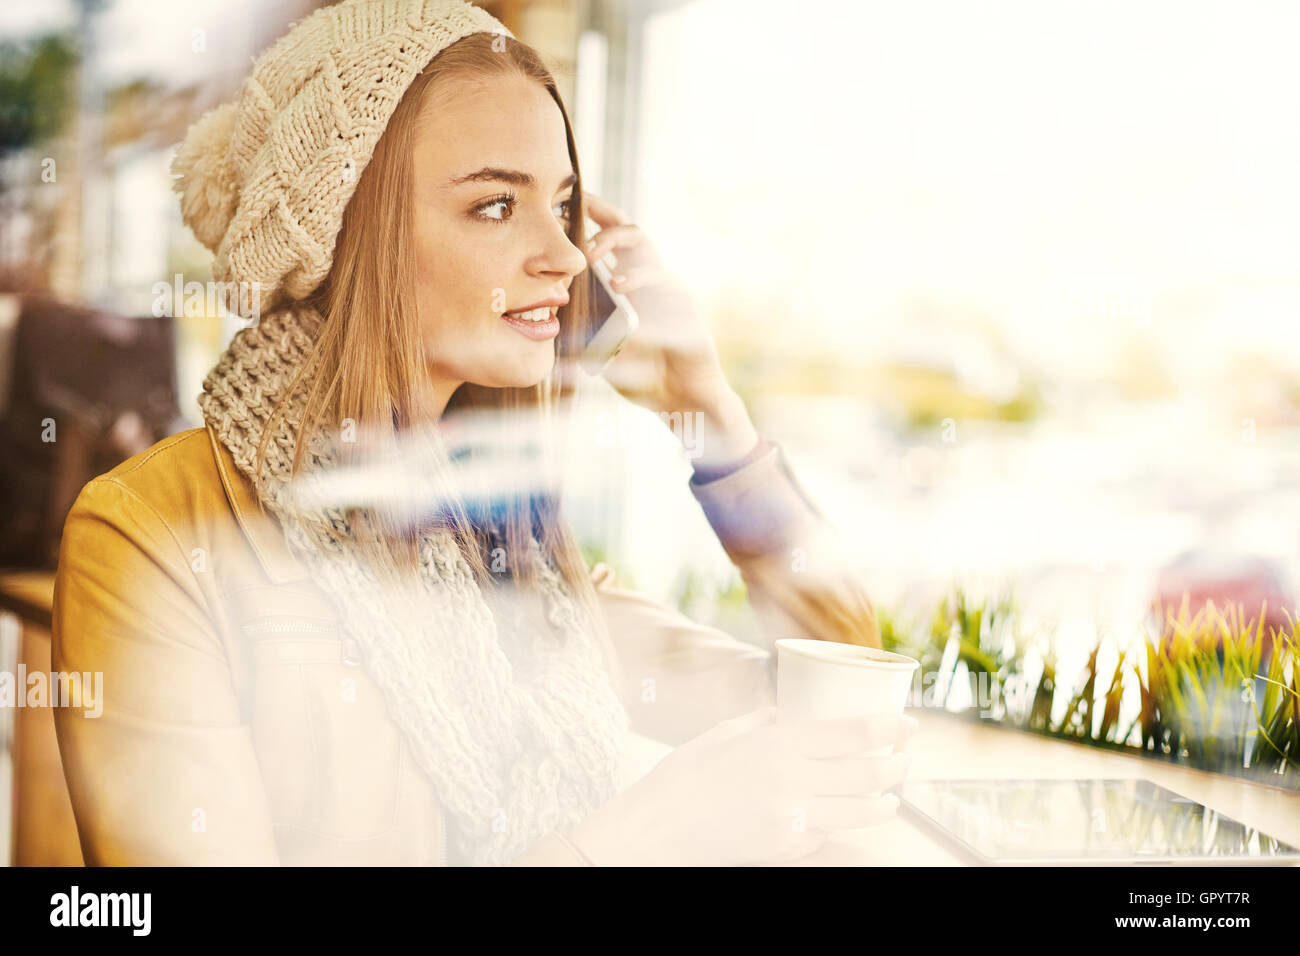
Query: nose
[(558, 258)]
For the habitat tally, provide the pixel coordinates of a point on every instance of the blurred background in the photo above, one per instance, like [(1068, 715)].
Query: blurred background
[(1016, 284)]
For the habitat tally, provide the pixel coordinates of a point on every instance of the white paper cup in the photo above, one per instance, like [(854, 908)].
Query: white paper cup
[(822, 680)]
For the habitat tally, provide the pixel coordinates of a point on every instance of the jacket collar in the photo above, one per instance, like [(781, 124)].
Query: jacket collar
[(262, 532)]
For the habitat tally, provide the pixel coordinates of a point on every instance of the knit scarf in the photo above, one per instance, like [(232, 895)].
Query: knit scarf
[(513, 716)]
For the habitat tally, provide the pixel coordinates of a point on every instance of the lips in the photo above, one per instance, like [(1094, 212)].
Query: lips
[(540, 314), (538, 331), (540, 311)]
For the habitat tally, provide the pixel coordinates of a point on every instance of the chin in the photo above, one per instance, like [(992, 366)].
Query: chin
[(525, 373), (539, 376)]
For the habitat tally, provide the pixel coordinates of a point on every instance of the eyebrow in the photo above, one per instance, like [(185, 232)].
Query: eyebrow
[(512, 176)]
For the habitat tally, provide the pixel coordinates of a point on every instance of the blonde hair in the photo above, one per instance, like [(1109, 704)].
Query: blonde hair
[(370, 359)]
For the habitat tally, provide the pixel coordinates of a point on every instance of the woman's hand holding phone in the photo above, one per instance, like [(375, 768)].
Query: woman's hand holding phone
[(671, 363)]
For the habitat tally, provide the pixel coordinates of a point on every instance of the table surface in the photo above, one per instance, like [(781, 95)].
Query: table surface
[(949, 748)]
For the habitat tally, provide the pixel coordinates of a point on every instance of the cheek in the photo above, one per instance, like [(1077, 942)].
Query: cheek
[(459, 285), (464, 261)]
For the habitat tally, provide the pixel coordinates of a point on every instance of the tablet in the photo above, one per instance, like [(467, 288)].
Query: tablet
[(1083, 822)]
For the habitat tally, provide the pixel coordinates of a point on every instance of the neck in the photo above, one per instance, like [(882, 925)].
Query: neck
[(437, 393)]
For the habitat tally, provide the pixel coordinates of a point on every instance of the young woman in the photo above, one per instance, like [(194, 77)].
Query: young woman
[(303, 667)]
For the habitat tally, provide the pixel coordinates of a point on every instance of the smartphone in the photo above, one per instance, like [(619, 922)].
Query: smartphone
[(615, 319)]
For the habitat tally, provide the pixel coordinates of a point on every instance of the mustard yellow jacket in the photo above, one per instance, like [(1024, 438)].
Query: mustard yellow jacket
[(236, 726)]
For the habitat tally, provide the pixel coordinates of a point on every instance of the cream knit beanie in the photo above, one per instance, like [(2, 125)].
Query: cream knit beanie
[(264, 180)]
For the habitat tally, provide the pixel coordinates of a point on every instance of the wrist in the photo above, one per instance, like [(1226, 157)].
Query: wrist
[(617, 835), (705, 474), (725, 432)]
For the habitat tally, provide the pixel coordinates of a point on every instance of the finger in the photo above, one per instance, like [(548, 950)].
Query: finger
[(638, 277), (910, 727), (601, 212), (841, 736), (745, 723), (748, 721), (847, 736), (855, 776), (601, 574), (655, 338), (625, 237), (900, 746), (849, 813)]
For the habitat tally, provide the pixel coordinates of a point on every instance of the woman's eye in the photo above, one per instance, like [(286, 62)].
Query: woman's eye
[(497, 210), (500, 210)]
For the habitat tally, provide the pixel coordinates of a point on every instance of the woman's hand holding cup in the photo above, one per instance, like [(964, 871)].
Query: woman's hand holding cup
[(755, 790)]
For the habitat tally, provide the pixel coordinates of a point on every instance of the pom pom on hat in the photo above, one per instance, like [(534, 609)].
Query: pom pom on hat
[(204, 178)]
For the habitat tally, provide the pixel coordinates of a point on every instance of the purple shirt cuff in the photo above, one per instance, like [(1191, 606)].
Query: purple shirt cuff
[(705, 474), (758, 508)]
